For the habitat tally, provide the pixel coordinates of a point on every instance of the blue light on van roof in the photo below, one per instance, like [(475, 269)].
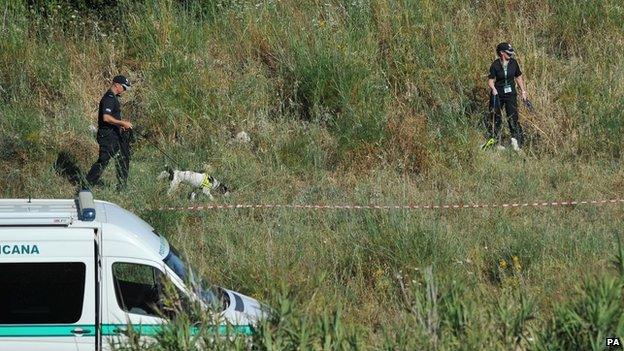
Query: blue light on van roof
[(86, 206), (88, 214)]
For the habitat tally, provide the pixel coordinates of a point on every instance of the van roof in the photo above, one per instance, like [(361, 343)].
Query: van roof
[(64, 212)]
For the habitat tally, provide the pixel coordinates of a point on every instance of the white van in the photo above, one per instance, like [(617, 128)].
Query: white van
[(75, 273)]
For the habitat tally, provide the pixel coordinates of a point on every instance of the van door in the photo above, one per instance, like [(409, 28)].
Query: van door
[(47, 285), (133, 295)]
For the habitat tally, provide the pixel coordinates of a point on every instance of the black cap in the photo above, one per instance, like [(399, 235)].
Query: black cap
[(125, 83), (506, 47)]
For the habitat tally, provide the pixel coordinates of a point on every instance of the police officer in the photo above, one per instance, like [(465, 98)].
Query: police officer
[(504, 73), (112, 136)]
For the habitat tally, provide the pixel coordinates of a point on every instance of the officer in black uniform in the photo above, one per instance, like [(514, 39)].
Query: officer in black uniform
[(504, 73), (112, 135)]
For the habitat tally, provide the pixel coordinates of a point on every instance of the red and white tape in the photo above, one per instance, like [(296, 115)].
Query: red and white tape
[(387, 207)]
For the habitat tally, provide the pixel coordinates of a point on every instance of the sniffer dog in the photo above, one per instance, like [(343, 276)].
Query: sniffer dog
[(199, 181)]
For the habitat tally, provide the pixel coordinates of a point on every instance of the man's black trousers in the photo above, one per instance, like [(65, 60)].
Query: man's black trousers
[(112, 145), (494, 121)]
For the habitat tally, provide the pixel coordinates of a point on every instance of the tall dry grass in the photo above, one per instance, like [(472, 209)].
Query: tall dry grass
[(349, 102)]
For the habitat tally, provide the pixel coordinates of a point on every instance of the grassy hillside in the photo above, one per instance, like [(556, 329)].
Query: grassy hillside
[(367, 102)]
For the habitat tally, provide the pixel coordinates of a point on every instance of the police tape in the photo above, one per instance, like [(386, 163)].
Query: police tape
[(387, 207)]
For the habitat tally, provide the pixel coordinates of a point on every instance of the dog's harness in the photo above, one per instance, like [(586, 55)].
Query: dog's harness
[(206, 182)]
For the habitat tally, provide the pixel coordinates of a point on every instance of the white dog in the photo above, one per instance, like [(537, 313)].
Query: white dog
[(195, 179)]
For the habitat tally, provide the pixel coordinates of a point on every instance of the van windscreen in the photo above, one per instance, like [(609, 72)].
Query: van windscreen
[(174, 262), (201, 288)]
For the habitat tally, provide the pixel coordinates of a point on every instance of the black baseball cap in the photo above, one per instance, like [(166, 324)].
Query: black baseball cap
[(506, 47), (125, 83)]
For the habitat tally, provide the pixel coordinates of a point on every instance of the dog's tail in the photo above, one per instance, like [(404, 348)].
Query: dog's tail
[(168, 173), (171, 173)]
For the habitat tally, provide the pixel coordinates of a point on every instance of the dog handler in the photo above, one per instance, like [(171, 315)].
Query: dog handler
[(111, 137), (504, 73)]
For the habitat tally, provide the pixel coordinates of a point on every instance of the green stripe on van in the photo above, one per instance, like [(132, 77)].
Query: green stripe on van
[(143, 329), (43, 330), (153, 329), (60, 330)]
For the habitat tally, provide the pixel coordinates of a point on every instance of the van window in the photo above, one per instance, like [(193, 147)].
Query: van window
[(137, 287), (41, 293)]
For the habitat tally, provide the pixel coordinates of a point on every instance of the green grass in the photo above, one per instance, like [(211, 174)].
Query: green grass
[(364, 102)]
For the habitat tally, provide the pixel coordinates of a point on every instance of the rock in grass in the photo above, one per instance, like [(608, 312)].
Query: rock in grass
[(242, 137)]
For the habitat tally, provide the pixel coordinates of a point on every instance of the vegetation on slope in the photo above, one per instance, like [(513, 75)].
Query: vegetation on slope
[(349, 102)]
